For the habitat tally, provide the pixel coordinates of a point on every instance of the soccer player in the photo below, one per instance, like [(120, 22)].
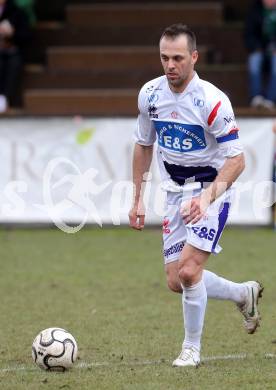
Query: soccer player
[(200, 157)]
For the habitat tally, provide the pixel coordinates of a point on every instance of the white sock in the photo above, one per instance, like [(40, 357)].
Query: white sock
[(194, 300), (220, 288)]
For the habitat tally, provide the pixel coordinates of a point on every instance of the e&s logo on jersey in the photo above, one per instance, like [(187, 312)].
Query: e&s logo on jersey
[(179, 137)]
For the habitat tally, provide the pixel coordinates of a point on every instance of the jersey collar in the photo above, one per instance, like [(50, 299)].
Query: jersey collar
[(190, 87), (192, 84)]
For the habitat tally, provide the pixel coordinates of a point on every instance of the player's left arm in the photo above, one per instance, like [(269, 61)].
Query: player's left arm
[(222, 125)]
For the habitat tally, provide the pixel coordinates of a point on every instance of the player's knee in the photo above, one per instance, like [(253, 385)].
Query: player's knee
[(187, 274), (174, 285)]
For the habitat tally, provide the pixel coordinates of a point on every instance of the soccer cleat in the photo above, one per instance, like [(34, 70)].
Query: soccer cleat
[(249, 308), (188, 357)]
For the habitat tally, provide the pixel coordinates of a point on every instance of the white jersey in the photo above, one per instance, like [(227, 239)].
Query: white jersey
[(195, 130)]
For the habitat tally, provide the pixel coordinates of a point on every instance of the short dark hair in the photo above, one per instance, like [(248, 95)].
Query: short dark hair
[(177, 29)]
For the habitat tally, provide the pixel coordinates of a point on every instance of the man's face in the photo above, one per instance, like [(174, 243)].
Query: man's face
[(178, 62)]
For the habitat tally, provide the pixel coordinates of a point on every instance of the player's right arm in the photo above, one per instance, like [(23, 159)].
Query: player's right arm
[(142, 157), (145, 138)]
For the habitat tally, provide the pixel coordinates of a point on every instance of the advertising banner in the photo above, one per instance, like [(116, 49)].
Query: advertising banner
[(255, 188), (71, 172)]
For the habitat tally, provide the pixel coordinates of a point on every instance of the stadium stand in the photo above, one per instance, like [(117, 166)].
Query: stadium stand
[(95, 58)]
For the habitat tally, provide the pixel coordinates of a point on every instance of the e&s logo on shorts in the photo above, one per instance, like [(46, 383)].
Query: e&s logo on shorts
[(204, 232)]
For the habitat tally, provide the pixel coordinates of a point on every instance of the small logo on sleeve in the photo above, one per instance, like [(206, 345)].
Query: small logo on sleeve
[(150, 89), (152, 111), (166, 228), (228, 119), (153, 98)]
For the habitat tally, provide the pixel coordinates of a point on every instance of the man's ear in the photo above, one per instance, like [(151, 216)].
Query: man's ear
[(194, 56)]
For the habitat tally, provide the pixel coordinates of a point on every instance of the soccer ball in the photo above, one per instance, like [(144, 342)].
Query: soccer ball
[(54, 349)]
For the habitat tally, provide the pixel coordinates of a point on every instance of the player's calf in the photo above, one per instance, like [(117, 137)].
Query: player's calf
[(173, 281)]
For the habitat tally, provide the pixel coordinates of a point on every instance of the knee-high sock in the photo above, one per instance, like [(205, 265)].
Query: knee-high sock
[(194, 300), (220, 288)]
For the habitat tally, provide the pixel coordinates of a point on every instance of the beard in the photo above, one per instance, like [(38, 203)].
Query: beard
[(178, 82)]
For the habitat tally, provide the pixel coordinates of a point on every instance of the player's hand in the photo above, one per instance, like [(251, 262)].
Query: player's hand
[(137, 217), (194, 209)]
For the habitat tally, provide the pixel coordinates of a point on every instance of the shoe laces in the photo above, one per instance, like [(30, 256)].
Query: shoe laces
[(186, 354)]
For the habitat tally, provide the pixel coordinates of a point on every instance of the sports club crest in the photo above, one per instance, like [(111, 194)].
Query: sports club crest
[(174, 115)]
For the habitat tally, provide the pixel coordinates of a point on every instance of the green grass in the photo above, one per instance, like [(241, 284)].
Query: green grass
[(107, 287)]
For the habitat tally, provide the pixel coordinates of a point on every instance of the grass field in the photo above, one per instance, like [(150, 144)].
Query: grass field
[(107, 287)]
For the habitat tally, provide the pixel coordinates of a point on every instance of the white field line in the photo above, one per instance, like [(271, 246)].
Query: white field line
[(85, 365)]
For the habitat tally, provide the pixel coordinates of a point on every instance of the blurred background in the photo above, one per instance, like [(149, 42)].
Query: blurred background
[(71, 70), (79, 54)]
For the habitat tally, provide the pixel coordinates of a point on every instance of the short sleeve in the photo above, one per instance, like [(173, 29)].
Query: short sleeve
[(145, 132), (222, 124)]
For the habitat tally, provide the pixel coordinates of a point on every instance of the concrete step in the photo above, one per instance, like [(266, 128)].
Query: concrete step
[(46, 79), (230, 78), (116, 101), (105, 103), (144, 14), (240, 112), (52, 9), (81, 102), (108, 58), (218, 38)]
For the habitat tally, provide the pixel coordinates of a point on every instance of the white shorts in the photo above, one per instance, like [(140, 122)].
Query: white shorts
[(203, 235)]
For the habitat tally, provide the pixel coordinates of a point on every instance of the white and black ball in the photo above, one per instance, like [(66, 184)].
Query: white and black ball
[(54, 349)]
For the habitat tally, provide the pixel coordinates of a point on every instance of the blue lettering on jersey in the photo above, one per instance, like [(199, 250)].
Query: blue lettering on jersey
[(180, 137)]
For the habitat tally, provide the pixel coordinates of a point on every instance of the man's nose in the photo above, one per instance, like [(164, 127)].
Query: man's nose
[(171, 64)]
